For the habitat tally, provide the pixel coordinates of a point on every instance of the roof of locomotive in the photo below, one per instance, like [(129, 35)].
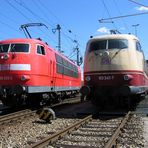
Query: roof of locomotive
[(37, 41), (15, 40), (113, 36)]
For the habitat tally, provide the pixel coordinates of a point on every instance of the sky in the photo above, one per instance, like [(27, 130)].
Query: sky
[(79, 19)]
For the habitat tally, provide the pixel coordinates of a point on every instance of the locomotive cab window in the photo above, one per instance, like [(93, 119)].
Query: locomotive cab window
[(138, 47), (40, 50), (117, 44), (15, 47), (19, 48), (4, 48), (108, 44), (97, 45)]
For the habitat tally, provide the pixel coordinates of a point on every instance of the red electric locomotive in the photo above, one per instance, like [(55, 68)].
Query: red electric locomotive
[(30, 71)]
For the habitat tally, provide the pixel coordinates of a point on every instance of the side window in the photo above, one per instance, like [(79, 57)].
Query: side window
[(40, 50), (64, 67), (138, 47), (58, 59), (59, 64)]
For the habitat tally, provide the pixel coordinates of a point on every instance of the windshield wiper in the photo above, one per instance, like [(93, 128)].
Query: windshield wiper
[(12, 48), (118, 52)]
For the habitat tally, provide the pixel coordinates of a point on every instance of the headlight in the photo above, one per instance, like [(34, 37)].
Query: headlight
[(5, 56), (87, 78), (127, 77), (106, 54), (25, 77)]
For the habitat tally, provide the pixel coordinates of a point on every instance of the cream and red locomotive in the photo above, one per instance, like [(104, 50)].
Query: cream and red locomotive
[(115, 69), (30, 71)]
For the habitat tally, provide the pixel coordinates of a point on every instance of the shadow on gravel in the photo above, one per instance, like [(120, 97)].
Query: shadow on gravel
[(82, 109)]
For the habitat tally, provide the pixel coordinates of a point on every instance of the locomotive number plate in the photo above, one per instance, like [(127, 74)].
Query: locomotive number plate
[(6, 78), (104, 78)]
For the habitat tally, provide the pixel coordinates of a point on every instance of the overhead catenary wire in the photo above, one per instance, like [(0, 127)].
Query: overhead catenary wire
[(125, 25), (14, 7), (59, 22), (72, 55), (38, 17), (109, 14), (138, 3), (29, 10), (68, 38), (20, 12), (43, 10), (44, 6), (12, 28), (122, 16)]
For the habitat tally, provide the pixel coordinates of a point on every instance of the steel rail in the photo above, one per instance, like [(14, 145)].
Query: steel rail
[(14, 115), (66, 101), (60, 134), (18, 114), (112, 142)]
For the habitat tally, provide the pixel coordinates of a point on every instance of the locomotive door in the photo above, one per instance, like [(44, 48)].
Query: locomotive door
[(40, 66), (51, 71), (140, 60)]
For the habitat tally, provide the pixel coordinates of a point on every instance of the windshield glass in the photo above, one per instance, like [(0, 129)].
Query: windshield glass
[(4, 48), (108, 44), (17, 47), (98, 45), (117, 44)]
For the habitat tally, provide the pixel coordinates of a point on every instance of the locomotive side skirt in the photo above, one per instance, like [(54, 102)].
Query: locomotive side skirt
[(18, 89), (123, 82), (35, 89)]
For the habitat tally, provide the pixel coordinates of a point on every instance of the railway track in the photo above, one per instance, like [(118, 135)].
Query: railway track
[(66, 101), (87, 132), (102, 130), (15, 115)]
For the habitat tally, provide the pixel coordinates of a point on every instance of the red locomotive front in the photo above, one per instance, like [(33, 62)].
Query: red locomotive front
[(30, 67)]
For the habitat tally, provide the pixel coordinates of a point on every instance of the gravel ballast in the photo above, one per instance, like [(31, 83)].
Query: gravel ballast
[(21, 133)]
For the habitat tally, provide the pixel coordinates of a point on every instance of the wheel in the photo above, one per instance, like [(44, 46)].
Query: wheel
[(34, 100)]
